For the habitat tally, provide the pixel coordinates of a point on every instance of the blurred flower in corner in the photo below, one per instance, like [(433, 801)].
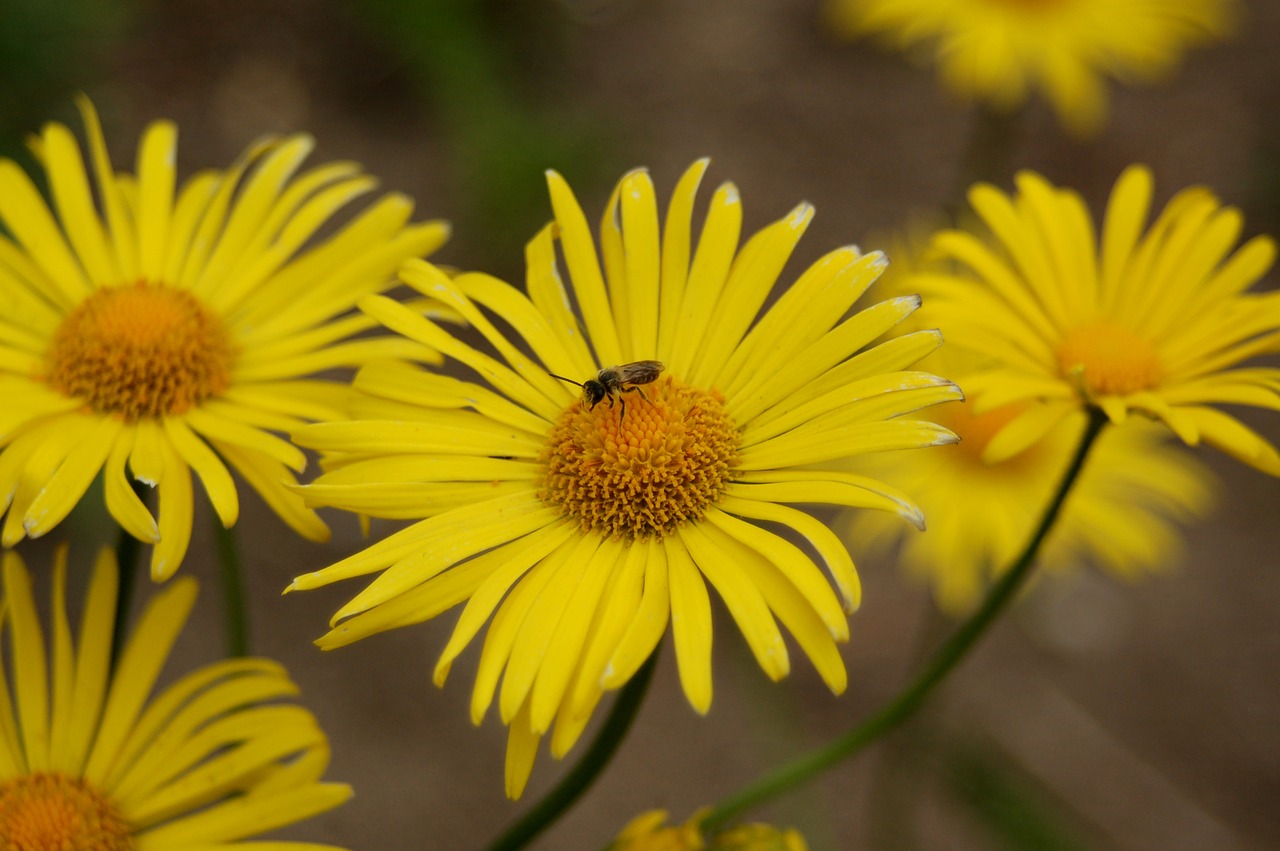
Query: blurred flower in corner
[(981, 513), (999, 50), (579, 528), (650, 832), (177, 334), (1152, 320), (88, 761)]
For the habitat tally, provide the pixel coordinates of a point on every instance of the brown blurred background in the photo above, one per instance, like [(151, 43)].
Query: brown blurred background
[(1099, 715)]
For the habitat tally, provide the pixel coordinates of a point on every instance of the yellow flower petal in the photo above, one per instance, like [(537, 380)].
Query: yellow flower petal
[(690, 625), (675, 256)]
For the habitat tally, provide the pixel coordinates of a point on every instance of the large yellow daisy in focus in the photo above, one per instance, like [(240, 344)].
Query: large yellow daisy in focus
[(999, 50), (89, 761), (1152, 320), (165, 333), (578, 531)]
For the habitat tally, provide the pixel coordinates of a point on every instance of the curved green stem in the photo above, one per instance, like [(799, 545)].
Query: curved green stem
[(127, 563), (235, 603), (127, 548), (989, 149), (578, 780), (912, 697)]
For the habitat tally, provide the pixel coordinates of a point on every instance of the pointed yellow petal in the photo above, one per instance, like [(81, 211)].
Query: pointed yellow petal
[(676, 236), (155, 196), (743, 599), (690, 624), (522, 749), (584, 271), (213, 474), (30, 670)]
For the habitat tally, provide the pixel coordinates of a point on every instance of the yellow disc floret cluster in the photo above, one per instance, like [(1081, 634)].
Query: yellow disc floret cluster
[(53, 812), (141, 351), (642, 471)]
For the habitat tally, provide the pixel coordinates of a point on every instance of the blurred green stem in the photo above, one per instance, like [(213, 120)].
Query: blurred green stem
[(127, 563), (234, 602), (910, 699), (593, 762), (988, 152)]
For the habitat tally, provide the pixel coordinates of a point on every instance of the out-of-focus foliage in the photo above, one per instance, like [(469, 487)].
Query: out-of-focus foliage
[(475, 63), (48, 49)]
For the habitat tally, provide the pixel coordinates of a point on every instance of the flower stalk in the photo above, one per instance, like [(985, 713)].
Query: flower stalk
[(127, 549), (593, 762), (910, 699), (235, 603)]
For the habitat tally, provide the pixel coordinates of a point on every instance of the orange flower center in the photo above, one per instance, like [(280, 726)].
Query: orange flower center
[(643, 471), (52, 812), (141, 351), (975, 430), (1109, 360)]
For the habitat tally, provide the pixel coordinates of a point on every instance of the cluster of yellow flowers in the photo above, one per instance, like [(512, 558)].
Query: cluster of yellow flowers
[(639, 425)]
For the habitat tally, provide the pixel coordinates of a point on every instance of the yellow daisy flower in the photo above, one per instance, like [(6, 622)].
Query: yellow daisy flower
[(1155, 322), (583, 529), (998, 50), (1119, 515), (176, 334), (981, 514), (650, 832), (88, 762)]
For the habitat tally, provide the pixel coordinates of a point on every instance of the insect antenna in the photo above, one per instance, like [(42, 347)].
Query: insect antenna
[(562, 378)]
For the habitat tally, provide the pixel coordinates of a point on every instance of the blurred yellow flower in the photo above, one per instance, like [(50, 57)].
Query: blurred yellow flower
[(176, 334), (87, 761), (1120, 514), (981, 514), (999, 50), (584, 529), (650, 832), (1153, 320)]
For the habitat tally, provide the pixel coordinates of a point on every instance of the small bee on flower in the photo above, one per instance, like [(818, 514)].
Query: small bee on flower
[(613, 381)]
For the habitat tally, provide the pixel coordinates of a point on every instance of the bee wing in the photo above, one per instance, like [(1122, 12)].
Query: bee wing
[(640, 372)]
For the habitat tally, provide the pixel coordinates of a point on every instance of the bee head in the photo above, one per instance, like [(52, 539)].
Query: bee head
[(593, 392)]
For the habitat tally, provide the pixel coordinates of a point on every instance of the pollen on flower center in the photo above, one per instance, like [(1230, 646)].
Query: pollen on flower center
[(53, 812), (1110, 360), (643, 472), (141, 351)]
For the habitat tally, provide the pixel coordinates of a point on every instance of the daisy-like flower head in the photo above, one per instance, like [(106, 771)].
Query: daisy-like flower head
[(650, 832), (1151, 320), (1120, 514), (998, 50), (583, 529), (170, 334), (89, 763)]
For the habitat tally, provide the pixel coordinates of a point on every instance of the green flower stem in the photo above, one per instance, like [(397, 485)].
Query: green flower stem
[(235, 603), (127, 548), (989, 149), (580, 778), (947, 657), (127, 563)]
